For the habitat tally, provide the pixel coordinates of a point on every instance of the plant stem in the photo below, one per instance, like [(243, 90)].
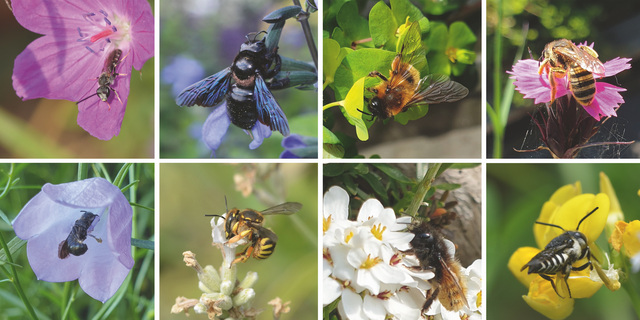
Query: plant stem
[(308, 35), (423, 187), (633, 296), (16, 280)]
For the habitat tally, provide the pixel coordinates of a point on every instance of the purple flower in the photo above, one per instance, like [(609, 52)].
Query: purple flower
[(297, 146), (217, 123), (181, 72), (79, 36), (536, 86), (49, 218)]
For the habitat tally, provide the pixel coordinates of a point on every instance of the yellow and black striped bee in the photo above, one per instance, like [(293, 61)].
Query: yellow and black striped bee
[(247, 224), (560, 254), (562, 58)]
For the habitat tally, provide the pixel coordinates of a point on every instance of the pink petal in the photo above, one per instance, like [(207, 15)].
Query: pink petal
[(606, 101), (616, 65)]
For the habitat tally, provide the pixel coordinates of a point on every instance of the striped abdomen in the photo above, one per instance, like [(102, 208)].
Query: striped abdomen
[(264, 248), (547, 263), (582, 84)]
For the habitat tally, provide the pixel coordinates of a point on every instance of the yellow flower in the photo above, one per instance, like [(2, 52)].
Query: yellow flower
[(566, 208), (627, 235)]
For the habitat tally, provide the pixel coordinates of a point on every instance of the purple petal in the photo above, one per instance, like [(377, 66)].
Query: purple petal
[(616, 65), (88, 193), (215, 127), (288, 155), (606, 101), (260, 132), (293, 141), (119, 230), (142, 20)]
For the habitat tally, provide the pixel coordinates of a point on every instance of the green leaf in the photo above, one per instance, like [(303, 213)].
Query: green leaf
[(336, 169), (464, 165), (377, 186), (353, 26), (328, 137), (332, 151), (413, 113), (460, 35), (332, 56), (14, 245), (382, 26), (439, 63), (438, 37), (359, 64), (404, 8), (447, 186), (392, 172)]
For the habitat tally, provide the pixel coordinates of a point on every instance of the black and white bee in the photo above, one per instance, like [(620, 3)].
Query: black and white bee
[(560, 254), (74, 243)]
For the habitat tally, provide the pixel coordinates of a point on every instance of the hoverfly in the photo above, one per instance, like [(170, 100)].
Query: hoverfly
[(74, 244), (247, 224), (249, 98), (108, 77), (562, 58), (448, 286), (404, 88), (560, 254)]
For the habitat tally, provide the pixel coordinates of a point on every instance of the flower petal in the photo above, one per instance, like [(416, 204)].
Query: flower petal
[(606, 101), (574, 210), (260, 132), (142, 43), (88, 193), (518, 259), (542, 298), (336, 203), (615, 66), (215, 127)]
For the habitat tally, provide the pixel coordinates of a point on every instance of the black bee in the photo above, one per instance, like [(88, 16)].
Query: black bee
[(249, 98), (74, 244), (108, 77), (560, 254), (247, 224), (447, 284)]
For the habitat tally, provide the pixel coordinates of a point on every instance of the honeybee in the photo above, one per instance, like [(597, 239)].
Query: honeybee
[(247, 224), (447, 284), (562, 58), (74, 243), (560, 254), (404, 88)]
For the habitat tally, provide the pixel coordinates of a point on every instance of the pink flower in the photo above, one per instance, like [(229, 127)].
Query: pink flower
[(536, 86), (48, 220), (79, 36)]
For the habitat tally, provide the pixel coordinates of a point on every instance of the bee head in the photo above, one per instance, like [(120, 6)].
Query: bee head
[(254, 45), (377, 107)]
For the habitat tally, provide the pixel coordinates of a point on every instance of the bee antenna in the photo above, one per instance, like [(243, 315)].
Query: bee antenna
[(226, 208), (87, 97), (215, 215), (588, 214), (367, 113), (550, 225)]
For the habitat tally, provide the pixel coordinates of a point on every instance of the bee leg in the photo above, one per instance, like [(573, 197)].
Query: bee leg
[(566, 278), (584, 266), (431, 295), (276, 66), (378, 74), (244, 256), (553, 285), (240, 236), (276, 84)]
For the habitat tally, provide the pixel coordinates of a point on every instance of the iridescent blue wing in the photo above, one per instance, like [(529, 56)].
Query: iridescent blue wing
[(207, 92), (269, 112)]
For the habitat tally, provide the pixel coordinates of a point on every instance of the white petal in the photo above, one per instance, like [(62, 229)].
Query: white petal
[(336, 203), (331, 290)]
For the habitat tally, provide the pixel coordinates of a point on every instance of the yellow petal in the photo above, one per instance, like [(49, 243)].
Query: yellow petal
[(573, 211), (557, 199), (615, 211), (518, 259), (565, 193), (630, 238), (581, 284), (616, 236), (543, 298)]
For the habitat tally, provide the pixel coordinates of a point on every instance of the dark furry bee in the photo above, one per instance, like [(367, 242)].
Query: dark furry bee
[(74, 244), (560, 254), (562, 58), (248, 224), (249, 98), (108, 77), (404, 88), (447, 285)]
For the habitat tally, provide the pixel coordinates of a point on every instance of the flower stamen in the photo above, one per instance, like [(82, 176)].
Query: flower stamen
[(370, 263), (377, 231)]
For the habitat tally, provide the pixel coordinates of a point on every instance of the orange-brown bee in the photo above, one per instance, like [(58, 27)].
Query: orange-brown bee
[(447, 284), (404, 88), (563, 58)]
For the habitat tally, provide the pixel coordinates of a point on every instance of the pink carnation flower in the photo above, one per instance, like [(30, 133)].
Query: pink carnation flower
[(79, 36), (536, 86)]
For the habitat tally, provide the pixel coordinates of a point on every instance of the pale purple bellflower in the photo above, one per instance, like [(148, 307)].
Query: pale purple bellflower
[(79, 39), (49, 218)]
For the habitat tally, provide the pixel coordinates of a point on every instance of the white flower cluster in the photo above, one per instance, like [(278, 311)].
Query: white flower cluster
[(364, 267)]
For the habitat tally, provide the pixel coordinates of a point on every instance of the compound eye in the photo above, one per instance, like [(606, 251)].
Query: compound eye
[(425, 236), (570, 242)]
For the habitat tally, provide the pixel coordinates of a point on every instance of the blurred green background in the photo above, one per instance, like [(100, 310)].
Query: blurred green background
[(515, 195), (189, 191), (208, 35), (47, 297), (42, 128), (611, 25)]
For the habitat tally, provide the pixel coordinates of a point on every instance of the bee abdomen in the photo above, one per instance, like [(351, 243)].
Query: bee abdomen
[(265, 248), (549, 264), (582, 85)]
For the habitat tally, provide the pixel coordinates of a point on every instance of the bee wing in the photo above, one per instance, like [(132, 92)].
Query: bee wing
[(269, 111), (404, 63), (283, 208), (583, 57), (266, 233), (450, 277), (207, 92), (437, 89)]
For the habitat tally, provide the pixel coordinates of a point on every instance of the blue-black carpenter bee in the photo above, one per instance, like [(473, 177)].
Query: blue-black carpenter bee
[(74, 244), (560, 254), (249, 98)]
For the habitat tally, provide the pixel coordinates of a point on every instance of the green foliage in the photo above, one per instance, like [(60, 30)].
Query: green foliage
[(355, 46)]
